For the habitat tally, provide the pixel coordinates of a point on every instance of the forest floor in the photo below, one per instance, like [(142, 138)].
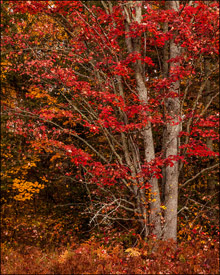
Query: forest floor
[(92, 257)]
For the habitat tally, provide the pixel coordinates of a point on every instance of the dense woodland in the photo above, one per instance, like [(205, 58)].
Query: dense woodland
[(110, 137)]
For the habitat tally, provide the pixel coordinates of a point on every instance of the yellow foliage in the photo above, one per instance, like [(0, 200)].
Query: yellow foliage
[(65, 256), (132, 252), (44, 179), (56, 156), (40, 94), (26, 189)]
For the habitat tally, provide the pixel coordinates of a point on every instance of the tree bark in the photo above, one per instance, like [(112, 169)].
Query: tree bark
[(171, 145), (135, 45)]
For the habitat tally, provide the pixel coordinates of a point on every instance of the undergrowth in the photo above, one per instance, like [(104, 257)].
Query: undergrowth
[(197, 256)]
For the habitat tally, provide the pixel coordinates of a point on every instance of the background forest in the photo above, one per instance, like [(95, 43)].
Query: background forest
[(110, 137)]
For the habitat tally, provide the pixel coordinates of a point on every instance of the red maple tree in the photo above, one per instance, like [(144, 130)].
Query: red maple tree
[(122, 90)]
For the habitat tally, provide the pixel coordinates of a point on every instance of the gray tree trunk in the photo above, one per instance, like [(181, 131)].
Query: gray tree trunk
[(135, 45), (171, 146)]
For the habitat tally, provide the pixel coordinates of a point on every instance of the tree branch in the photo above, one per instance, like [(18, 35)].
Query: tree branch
[(198, 174)]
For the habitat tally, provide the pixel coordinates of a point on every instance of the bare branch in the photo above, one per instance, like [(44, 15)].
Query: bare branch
[(198, 174)]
